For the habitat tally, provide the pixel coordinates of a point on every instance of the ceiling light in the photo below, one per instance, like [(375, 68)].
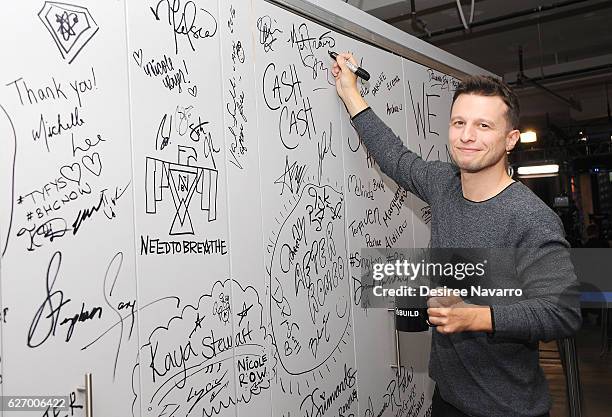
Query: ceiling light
[(529, 136), (549, 169)]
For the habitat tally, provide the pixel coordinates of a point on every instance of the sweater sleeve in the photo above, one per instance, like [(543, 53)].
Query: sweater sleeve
[(401, 165), (551, 305)]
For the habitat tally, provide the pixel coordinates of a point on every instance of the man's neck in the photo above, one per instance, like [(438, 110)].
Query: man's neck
[(484, 184)]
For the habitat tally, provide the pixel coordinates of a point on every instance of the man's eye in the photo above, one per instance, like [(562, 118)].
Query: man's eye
[(458, 123), (484, 125)]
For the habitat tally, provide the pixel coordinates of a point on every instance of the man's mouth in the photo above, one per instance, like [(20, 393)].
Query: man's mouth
[(469, 150)]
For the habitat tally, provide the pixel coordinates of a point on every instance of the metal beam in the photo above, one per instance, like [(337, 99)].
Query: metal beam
[(539, 14), (521, 77), (421, 12), (569, 101), (564, 69)]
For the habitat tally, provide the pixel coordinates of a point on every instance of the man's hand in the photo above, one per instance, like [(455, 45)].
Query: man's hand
[(346, 84), (452, 315)]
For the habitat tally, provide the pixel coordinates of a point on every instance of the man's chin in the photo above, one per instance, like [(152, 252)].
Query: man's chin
[(470, 170), (470, 167)]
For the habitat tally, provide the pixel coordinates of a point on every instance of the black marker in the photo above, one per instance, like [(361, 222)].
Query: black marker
[(358, 71)]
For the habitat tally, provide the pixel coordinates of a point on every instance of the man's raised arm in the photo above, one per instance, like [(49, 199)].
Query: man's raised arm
[(396, 160)]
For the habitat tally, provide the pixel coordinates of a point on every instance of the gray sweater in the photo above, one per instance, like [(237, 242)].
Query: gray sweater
[(498, 374)]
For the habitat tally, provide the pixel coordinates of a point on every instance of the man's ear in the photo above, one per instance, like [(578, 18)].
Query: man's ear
[(511, 138)]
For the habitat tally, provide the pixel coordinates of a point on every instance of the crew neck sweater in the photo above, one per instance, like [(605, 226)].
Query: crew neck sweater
[(483, 374)]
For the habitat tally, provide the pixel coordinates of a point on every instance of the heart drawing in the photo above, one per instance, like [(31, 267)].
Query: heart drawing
[(193, 90), (72, 172), (93, 163), (138, 57)]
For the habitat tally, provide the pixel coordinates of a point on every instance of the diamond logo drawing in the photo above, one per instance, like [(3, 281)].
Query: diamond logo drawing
[(70, 26)]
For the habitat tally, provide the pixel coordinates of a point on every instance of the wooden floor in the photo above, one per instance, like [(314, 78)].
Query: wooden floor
[(595, 374)]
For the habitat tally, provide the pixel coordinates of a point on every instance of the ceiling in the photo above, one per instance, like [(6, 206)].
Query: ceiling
[(566, 47)]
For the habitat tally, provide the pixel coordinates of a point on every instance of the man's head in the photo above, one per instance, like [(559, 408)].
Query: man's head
[(484, 123)]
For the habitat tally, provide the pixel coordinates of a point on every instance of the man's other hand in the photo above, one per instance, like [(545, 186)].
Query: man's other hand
[(452, 315)]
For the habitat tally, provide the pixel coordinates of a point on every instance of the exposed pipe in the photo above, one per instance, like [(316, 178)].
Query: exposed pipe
[(413, 16), (465, 25), (540, 48), (569, 101), (472, 11), (608, 103), (509, 16), (520, 77), (416, 23), (564, 77)]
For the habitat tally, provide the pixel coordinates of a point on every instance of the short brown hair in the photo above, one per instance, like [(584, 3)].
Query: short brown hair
[(485, 85)]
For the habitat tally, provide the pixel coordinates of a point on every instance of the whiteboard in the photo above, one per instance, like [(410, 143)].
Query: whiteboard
[(186, 355), (184, 201), (303, 217), (253, 363), (379, 215), (68, 269)]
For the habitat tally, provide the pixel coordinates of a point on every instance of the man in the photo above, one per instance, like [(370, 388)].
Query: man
[(484, 358)]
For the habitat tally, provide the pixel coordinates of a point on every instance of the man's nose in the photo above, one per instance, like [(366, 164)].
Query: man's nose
[(468, 134)]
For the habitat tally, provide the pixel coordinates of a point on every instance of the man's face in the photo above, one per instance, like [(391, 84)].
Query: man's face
[(479, 135)]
